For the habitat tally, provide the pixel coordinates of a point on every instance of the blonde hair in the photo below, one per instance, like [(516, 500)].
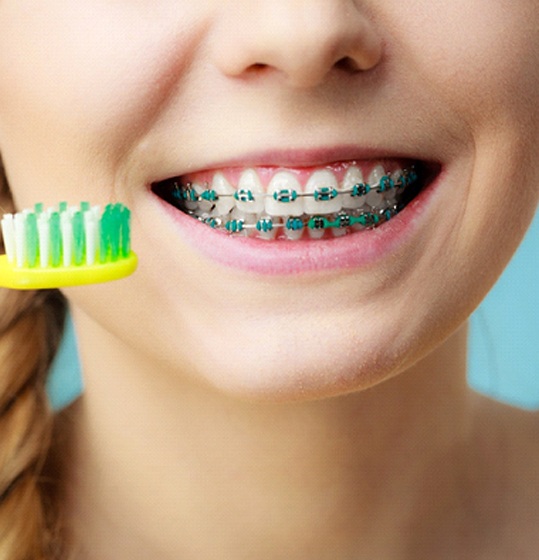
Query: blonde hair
[(31, 324)]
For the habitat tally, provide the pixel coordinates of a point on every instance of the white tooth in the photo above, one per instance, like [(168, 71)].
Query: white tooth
[(391, 195), (250, 220), (292, 234), (286, 184), (374, 198), (191, 204), (338, 232), (353, 177), (247, 218), (221, 186), (250, 183), (272, 232), (238, 214), (316, 233), (325, 183), (396, 175), (203, 205)]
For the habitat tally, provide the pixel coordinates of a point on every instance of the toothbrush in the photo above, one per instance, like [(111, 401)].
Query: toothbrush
[(66, 246)]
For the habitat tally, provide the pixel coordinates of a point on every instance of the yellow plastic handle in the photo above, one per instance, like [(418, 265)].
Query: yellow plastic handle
[(64, 276)]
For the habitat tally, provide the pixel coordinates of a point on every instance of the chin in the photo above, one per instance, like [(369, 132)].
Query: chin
[(283, 372)]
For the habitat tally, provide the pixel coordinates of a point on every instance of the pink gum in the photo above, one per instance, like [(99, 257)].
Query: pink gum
[(266, 173)]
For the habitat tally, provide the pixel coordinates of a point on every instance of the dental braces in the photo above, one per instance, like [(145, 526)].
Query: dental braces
[(186, 193), (341, 220)]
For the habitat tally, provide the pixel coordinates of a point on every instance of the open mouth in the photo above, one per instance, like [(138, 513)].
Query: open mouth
[(307, 203)]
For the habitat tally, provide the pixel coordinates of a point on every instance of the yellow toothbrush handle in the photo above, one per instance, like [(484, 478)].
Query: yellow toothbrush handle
[(64, 276)]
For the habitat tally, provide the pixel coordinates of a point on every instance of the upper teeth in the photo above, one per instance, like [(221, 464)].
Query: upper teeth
[(322, 194)]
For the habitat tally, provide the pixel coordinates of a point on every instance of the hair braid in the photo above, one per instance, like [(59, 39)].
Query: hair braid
[(30, 328)]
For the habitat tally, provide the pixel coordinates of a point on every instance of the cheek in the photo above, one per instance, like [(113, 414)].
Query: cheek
[(480, 62), (80, 84), (481, 57)]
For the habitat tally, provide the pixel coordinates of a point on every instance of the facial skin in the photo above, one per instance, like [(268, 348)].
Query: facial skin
[(100, 99)]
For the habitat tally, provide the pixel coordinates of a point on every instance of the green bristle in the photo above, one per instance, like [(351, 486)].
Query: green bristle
[(115, 232), (62, 207), (125, 234), (104, 237), (38, 208), (32, 240), (79, 241), (84, 206), (55, 239)]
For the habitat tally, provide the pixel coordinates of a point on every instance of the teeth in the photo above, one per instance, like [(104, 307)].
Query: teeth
[(222, 187), (247, 219), (324, 208), (192, 204), (268, 233), (316, 233), (284, 189), (202, 205), (338, 232), (292, 234), (374, 198), (325, 200), (352, 178), (250, 194), (391, 195)]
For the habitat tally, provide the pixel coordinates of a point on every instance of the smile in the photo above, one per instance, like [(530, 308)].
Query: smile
[(278, 203)]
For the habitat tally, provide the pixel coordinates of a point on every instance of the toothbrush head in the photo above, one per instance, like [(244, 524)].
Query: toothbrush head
[(66, 246)]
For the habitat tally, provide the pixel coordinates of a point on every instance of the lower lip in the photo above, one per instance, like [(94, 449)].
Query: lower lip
[(283, 257)]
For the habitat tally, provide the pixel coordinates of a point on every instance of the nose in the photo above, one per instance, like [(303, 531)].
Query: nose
[(303, 40)]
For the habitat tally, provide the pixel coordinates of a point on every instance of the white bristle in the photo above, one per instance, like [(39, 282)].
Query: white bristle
[(91, 232), (43, 232), (8, 234), (20, 239), (67, 237)]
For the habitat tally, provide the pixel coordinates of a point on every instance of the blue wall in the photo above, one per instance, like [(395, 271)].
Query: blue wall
[(504, 335)]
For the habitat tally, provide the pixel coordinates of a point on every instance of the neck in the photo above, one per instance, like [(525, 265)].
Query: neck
[(161, 467)]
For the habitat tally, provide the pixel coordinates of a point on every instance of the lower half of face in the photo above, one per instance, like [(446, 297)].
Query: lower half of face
[(300, 233)]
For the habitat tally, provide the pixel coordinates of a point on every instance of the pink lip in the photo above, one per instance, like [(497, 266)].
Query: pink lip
[(283, 257), (295, 159)]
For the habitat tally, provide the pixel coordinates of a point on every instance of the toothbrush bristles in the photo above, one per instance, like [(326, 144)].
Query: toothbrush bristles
[(66, 236)]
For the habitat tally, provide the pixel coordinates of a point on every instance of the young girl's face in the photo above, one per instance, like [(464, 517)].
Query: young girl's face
[(106, 100)]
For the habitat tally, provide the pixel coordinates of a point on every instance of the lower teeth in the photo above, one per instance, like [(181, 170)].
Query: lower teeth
[(391, 196), (354, 219)]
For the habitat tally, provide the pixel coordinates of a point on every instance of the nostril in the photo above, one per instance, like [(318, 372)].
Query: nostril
[(348, 64), (257, 69)]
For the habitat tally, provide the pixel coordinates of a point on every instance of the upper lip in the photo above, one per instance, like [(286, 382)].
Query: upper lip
[(295, 158), (306, 157)]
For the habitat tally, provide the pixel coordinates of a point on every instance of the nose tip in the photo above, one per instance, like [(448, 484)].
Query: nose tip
[(302, 41), (305, 58)]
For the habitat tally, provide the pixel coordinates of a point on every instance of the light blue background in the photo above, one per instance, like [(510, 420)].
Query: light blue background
[(504, 335), (64, 383)]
